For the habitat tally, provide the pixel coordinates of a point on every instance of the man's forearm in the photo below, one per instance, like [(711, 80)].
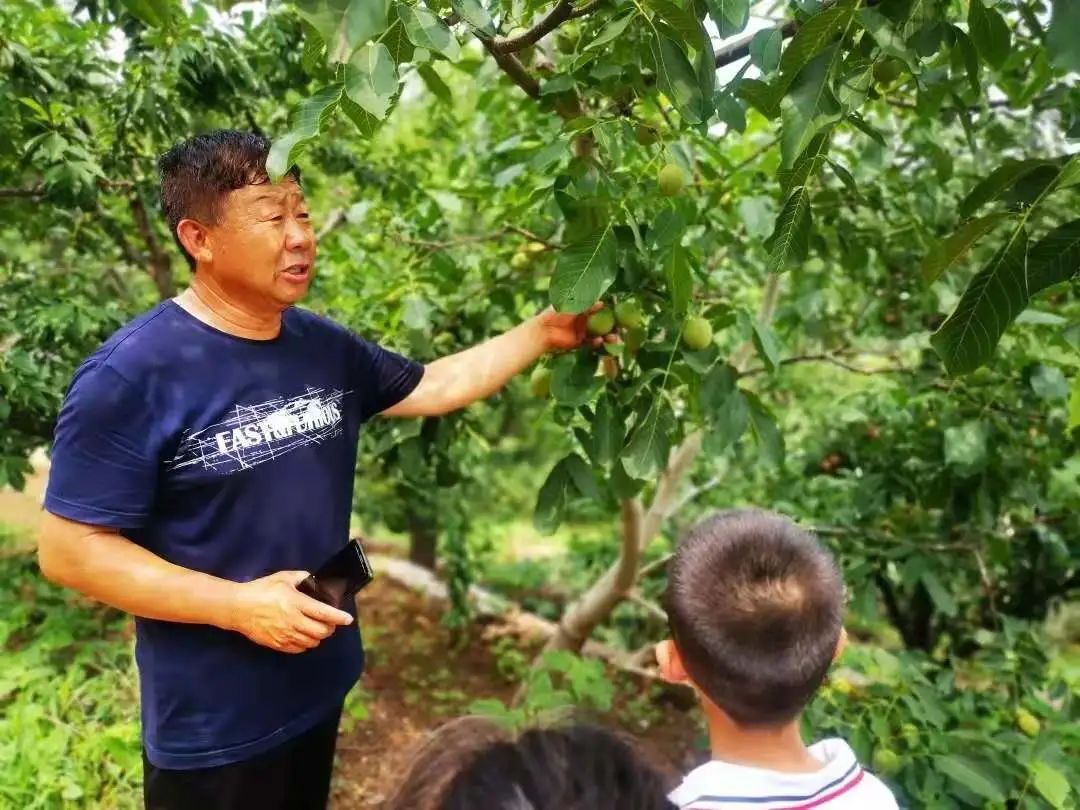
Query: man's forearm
[(110, 568), (453, 382)]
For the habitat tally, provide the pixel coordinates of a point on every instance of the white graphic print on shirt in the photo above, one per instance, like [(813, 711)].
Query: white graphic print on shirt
[(254, 434)]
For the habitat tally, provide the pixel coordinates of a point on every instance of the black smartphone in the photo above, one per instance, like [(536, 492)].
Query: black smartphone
[(340, 578)]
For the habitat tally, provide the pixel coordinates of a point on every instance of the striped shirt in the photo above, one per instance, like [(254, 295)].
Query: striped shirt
[(841, 784)]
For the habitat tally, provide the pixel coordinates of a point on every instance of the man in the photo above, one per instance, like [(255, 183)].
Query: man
[(203, 463)]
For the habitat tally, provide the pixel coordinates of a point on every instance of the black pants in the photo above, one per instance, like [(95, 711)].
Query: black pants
[(293, 776)]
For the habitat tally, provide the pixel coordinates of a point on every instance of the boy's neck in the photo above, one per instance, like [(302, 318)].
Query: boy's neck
[(774, 749)]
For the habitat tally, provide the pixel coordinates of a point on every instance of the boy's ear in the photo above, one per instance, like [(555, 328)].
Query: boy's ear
[(841, 645), (671, 664)]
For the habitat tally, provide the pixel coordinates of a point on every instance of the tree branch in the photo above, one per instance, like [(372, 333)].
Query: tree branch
[(741, 49), (22, 193), (662, 505), (649, 607), (514, 69), (160, 265), (562, 12), (827, 358), (335, 220), (596, 604)]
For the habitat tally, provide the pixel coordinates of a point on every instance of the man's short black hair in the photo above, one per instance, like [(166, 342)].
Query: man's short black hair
[(197, 174), (755, 607)]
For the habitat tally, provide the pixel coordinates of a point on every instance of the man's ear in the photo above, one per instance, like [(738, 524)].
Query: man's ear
[(671, 663), (196, 240), (841, 645)]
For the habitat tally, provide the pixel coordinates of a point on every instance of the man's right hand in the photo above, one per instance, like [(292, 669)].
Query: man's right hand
[(272, 612)]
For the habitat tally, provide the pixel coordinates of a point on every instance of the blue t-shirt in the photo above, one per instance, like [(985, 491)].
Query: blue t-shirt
[(236, 458)]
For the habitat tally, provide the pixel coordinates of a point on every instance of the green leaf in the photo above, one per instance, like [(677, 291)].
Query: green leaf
[(584, 271), (366, 123), (560, 84), (647, 452), (951, 250), (730, 16), (860, 124), (1074, 404), (994, 297), (998, 182), (814, 36), (965, 447), (808, 164), (608, 431), (730, 111), (612, 31), (1070, 174), (345, 25), (371, 79), (154, 13), (844, 175), (972, 775), (790, 240), (941, 598), (761, 96), (1049, 383), (888, 39), (1062, 42), (728, 418), (475, 15), (668, 229), (765, 49), (971, 59), (397, 42), (680, 282), (581, 475), (573, 378), (718, 385), (1049, 781), (307, 121), (681, 20), (989, 32), (768, 348), (427, 31), (435, 84), (1055, 258), (676, 78), (551, 500), (769, 437), (808, 107)]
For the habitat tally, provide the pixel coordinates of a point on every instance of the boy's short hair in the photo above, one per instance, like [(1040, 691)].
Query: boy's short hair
[(755, 607)]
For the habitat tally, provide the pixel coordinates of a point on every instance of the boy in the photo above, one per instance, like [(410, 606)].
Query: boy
[(755, 609)]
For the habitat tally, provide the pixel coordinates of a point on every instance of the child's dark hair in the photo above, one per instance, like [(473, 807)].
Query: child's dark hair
[(196, 174), (469, 764), (755, 607)]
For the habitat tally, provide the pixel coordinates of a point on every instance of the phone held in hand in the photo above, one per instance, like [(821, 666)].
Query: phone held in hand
[(340, 578)]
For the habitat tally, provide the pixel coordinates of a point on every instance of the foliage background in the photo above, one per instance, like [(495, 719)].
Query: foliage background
[(878, 221)]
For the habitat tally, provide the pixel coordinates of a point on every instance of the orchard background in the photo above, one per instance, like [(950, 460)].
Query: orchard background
[(842, 243)]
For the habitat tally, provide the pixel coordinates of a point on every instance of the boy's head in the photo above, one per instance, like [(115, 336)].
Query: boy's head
[(755, 608)]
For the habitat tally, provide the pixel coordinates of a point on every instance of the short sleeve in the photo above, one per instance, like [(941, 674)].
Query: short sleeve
[(383, 378), (104, 463)]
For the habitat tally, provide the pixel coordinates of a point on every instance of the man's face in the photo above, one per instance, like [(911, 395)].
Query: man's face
[(264, 246)]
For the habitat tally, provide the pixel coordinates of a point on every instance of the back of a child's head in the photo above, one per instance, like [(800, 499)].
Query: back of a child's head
[(755, 608), (578, 767)]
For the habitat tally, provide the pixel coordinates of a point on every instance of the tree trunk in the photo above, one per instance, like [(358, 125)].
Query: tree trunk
[(423, 540)]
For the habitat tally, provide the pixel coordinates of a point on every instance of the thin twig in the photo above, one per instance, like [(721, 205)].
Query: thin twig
[(654, 565), (651, 608)]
